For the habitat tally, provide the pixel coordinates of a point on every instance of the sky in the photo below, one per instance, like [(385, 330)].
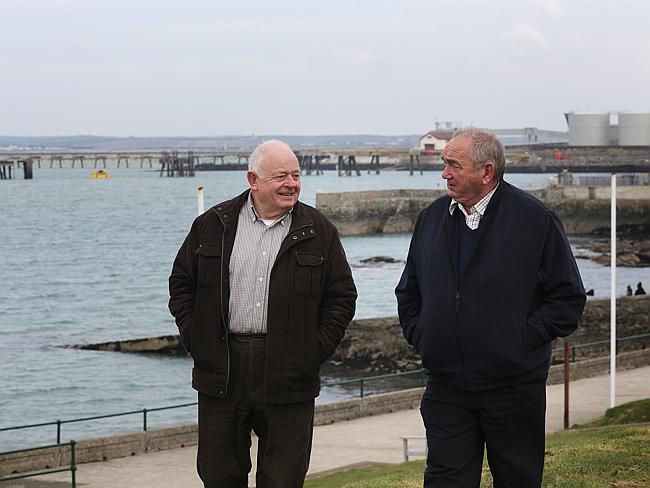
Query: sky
[(315, 67)]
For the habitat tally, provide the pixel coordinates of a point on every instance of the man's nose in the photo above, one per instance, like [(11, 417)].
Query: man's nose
[(291, 181)]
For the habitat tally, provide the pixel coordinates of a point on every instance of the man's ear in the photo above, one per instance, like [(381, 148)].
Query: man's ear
[(252, 180), (489, 171)]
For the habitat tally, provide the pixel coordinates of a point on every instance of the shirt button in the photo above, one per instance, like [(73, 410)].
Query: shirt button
[(264, 253), (258, 304), (260, 278)]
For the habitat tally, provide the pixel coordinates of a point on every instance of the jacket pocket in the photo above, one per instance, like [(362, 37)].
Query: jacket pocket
[(209, 265), (308, 273)]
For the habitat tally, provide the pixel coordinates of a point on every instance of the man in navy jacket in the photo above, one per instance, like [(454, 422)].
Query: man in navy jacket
[(489, 282)]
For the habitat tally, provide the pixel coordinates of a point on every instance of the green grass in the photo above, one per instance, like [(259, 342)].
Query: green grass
[(628, 413), (613, 456)]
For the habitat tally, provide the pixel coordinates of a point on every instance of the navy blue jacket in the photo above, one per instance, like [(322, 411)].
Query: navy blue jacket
[(521, 289)]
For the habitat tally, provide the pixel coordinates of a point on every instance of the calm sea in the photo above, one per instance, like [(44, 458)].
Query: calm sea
[(85, 261)]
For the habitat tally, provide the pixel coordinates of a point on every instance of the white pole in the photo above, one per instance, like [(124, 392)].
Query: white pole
[(200, 200), (612, 309)]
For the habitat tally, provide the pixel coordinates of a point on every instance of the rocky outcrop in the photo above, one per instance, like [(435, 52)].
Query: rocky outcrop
[(377, 345), (169, 344), (629, 253)]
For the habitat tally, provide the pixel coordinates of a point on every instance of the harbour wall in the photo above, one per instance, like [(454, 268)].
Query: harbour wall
[(582, 210)]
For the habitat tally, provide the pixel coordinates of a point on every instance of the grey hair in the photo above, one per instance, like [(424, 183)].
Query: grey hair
[(256, 158), (485, 146)]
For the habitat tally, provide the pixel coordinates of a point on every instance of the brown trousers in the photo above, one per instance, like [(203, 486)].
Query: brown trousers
[(225, 424)]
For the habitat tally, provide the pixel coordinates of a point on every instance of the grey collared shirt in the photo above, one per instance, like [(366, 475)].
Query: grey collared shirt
[(253, 254)]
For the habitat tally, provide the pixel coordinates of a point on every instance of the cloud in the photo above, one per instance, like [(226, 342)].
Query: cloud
[(527, 34), (554, 8)]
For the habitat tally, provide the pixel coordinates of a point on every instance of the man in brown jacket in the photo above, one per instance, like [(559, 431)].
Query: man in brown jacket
[(262, 294)]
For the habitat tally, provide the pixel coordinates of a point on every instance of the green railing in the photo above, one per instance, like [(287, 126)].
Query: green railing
[(59, 423), (145, 411), (72, 468), (366, 379), (575, 347), (362, 381)]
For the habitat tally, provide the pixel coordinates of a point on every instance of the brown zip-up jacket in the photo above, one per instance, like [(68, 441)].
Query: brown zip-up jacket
[(311, 301)]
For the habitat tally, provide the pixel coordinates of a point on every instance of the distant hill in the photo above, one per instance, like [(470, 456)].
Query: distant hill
[(216, 143)]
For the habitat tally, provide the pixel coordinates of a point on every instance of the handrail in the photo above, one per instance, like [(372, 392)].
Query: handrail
[(145, 411), (72, 468), (363, 380), (575, 347)]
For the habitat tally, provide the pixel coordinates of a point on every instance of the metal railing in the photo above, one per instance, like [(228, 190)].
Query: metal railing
[(72, 468), (366, 379), (59, 423), (575, 347), (362, 381)]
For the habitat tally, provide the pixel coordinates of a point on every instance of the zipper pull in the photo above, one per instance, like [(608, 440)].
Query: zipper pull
[(457, 300)]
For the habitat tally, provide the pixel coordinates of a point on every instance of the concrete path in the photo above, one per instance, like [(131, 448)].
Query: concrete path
[(367, 440)]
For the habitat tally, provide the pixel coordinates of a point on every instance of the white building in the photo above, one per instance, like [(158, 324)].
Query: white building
[(434, 141)]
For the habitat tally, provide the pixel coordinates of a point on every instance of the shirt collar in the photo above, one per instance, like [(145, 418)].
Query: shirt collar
[(254, 217), (479, 206)]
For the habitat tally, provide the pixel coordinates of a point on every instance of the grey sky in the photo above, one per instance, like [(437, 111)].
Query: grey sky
[(145, 68)]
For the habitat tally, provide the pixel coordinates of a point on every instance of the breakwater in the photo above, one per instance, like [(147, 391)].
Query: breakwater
[(583, 210)]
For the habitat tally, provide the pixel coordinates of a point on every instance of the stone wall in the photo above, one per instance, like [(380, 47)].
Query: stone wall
[(375, 212), (583, 210)]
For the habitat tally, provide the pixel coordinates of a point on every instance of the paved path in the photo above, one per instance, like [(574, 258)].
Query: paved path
[(367, 440)]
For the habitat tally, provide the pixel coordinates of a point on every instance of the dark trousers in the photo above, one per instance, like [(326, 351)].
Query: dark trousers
[(225, 424), (508, 422)]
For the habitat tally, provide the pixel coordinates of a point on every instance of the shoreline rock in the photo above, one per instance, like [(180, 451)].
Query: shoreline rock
[(377, 345), (630, 253)]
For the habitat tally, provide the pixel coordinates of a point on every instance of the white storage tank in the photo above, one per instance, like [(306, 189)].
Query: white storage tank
[(634, 129), (588, 129)]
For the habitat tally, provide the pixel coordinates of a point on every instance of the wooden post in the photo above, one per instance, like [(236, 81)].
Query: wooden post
[(28, 168)]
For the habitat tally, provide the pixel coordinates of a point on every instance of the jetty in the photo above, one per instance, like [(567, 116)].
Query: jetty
[(346, 161), (8, 168)]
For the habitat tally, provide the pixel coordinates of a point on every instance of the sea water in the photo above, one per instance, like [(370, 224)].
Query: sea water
[(87, 261)]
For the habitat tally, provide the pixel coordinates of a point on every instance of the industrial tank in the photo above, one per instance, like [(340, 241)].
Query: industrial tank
[(634, 129), (587, 129)]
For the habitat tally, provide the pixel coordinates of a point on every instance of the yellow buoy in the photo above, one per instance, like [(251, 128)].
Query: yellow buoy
[(99, 174)]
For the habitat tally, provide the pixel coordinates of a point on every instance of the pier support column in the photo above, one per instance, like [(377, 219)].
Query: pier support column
[(374, 164), (28, 168)]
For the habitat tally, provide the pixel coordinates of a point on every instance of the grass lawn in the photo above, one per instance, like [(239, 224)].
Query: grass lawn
[(614, 456)]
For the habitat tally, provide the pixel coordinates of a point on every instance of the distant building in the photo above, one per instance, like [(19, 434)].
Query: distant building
[(608, 129), (435, 141)]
